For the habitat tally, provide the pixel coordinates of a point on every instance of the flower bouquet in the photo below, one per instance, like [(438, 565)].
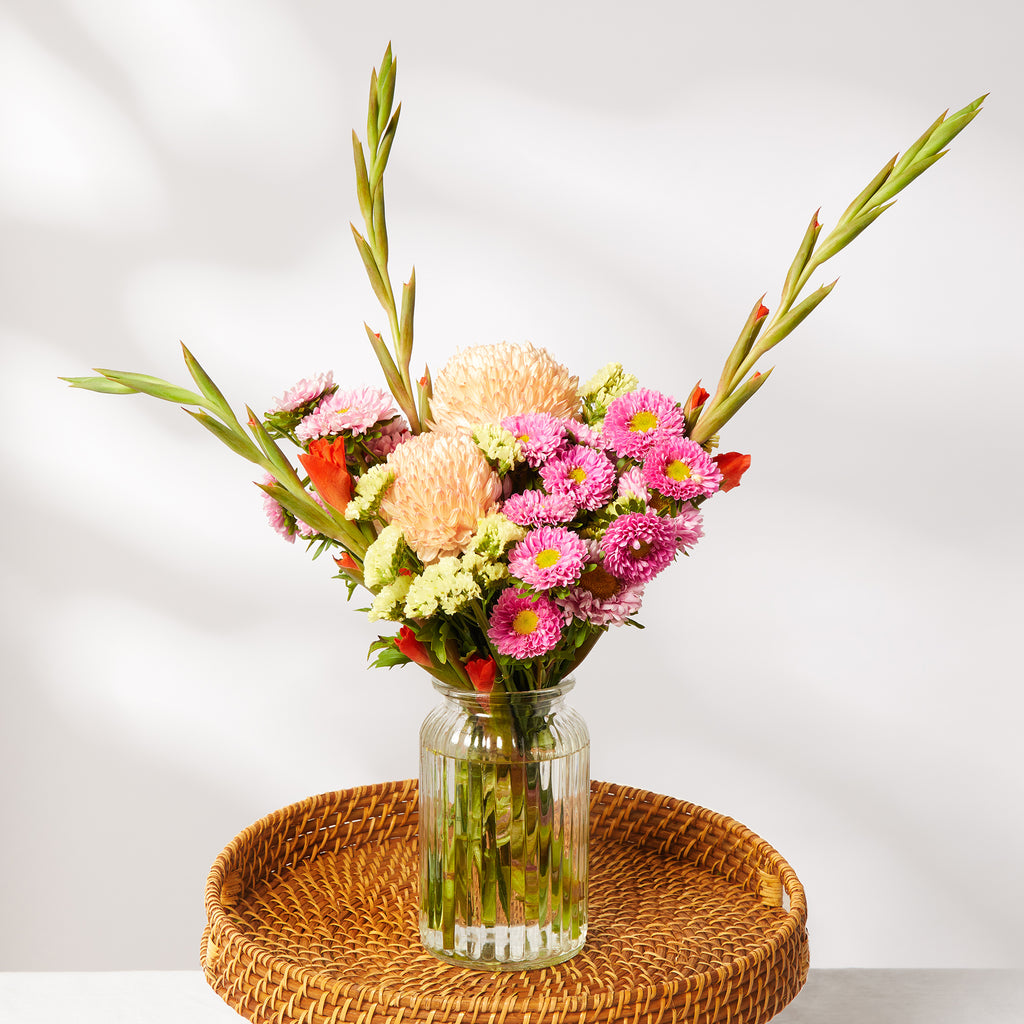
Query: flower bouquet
[(502, 516)]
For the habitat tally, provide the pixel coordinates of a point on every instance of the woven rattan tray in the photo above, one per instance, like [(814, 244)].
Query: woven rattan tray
[(312, 918)]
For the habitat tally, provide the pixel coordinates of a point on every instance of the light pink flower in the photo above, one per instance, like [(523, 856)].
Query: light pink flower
[(679, 468), (550, 556), (305, 391), (539, 433), (639, 419), (587, 476), (391, 436), (638, 545), (535, 508), (580, 433), (581, 603), (275, 514), (354, 410), (523, 626), (632, 483), (688, 526)]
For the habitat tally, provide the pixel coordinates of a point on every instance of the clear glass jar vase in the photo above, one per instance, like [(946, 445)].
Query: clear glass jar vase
[(504, 818)]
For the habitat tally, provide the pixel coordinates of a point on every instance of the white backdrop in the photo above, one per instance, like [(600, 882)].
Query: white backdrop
[(836, 666)]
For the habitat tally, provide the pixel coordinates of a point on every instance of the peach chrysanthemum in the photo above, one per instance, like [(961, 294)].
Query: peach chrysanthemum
[(487, 383), (442, 487)]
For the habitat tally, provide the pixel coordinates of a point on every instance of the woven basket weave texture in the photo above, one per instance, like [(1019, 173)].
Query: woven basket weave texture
[(313, 918)]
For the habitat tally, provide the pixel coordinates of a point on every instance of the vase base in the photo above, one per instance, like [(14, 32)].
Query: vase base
[(486, 960)]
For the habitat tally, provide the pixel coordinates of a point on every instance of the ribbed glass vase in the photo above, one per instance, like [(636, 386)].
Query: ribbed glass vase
[(504, 808)]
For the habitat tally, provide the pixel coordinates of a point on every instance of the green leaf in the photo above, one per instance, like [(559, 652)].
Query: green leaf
[(206, 385), (405, 326), (101, 385), (236, 441), (372, 271), (155, 387), (362, 181), (384, 150), (281, 463), (380, 230)]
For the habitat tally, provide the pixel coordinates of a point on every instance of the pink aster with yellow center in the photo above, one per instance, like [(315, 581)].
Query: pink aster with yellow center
[(639, 419), (539, 433), (679, 468), (524, 626), (550, 556), (355, 410), (486, 383), (585, 475), (638, 545), (442, 487)]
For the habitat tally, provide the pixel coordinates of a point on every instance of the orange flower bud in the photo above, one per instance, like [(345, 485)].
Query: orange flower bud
[(481, 673), (325, 464), (407, 643), (733, 465)]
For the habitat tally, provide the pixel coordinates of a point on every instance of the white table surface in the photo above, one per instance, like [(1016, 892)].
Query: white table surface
[(829, 997)]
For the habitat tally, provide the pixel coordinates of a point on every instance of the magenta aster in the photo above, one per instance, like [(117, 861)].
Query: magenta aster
[(523, 626), (535, 508), (355, 410), (539, 433), (679, 468), (305, 391), (550, 556), (637, 420), (587, 476), (638, 545)]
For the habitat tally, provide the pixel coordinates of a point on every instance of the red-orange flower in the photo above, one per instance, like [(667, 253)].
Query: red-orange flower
[(346, 561), (325, 465), (733, 465), (698, 396), (407, 643), (481, 673)]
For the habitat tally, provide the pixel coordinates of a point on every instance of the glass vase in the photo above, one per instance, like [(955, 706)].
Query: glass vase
[(504, 808)]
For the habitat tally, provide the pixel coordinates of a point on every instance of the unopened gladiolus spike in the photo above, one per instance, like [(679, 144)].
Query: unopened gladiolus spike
[(235, 440), (867, 194), (101, 385), (362, 180)]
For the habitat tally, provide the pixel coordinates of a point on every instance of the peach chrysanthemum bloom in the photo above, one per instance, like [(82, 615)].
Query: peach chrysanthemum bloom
[(486, 383), (442, 487)]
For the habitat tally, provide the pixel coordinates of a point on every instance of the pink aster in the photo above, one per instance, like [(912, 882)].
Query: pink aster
[(275, 514), (535, 508), (305, 391), (632, 483), (688, 526), (587, 476), (355, 410), (598, 610), (539, 433), (638, 545), (679, 468), (391, 436), (580, 433), (550, 556), (637, 420), (523, 626)]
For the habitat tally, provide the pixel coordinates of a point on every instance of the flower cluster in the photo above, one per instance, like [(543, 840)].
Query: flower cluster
[(502, 515), (527, 520)]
